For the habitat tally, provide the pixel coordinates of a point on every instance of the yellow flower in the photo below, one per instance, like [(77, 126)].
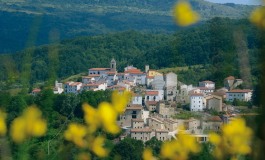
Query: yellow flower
[(18, 133), (214, 138), (258, 17), (2, 123), (29, 124), (108, 117), (184, 15), (234, 140), (91, 117), (148, 155), (180, 148), (76, 133), (120, 100), (97, 147)]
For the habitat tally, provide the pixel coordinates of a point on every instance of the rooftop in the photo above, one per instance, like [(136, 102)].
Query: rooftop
[(151, 102), (230, 78), (99, 69), (239, 91), (215, 119), (141, 130), (151, 92)]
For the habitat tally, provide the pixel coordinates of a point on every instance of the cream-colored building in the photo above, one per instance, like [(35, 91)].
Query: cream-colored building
[(170, 125), (214, 102), (192, 125), (155, 123), (165, 109), (162, 135), (239, 94), (212, 124), (131, 112), (137, 123), (143, 134), (151, 105)]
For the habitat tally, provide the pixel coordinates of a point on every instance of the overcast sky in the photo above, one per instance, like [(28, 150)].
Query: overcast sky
[(249, 2)]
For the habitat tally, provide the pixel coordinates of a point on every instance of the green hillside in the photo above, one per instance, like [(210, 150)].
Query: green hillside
[(212, 45), (38, 22)]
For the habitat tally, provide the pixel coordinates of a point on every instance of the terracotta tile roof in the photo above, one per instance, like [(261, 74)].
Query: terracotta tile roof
[(207, 81), (91, 84), (134, 71), (156, 119), (141, 130), (89, 77), (94, 75), (161, 130), (151, 93), (36, 90), (150, 77), (137, 120), (73, 83), (215, 119), (134, 107), (99, 69), (239, 91), (230, 78), (151, 102)]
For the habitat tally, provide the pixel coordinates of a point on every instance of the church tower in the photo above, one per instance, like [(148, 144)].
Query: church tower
[(113, 65)]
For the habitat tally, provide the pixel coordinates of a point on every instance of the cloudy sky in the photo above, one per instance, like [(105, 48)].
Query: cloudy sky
[(249, 2)]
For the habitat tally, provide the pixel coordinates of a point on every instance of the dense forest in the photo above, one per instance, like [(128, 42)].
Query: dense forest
[(34, 21), (214, 45)]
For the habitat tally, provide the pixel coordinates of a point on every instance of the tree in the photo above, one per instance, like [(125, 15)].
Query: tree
[(155, 145), (128, 149)]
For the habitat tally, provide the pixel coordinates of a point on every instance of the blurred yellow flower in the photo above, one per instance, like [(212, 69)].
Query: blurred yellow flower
[(97, 147), (258, 17), (148, 155), (18, 130), (184, 15), (104, 117), (76, 133), (234, 140), (91, 117), (120, 100), (2, 123), (29, 124), (108, 117), (180, 148)]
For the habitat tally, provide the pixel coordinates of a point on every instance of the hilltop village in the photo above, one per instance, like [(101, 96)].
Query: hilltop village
[(156, 108)]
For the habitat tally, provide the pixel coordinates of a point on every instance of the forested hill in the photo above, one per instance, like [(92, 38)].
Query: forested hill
[(26, 23), (213, 44)]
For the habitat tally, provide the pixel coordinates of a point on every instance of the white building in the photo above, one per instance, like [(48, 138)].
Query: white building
[(88, 79), (196, 102), (171, 80), (143, 134), (94, 86), (58, 88), (152, 95), (207, 84), (72, 87), (242, 95), (158, 83), (137, 99), (98, 71), (206, 90)]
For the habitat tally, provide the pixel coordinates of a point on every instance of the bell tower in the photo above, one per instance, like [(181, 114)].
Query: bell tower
[(113, 65)]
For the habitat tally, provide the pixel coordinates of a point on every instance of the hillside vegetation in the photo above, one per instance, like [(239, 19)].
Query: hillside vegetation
[(38, 22), (212, 45)]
